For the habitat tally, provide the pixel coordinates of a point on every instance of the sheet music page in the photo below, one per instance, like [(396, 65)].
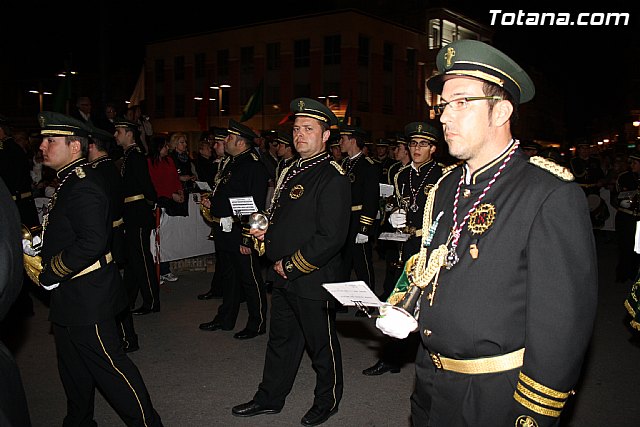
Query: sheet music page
[(202, 185), (386, 190), (396, 237), (349, 292), (243, 205)]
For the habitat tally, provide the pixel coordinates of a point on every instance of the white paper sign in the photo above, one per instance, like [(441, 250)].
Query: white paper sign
[(386, 190), (202, 185), (396, 237), (353, 293), (243, 205)]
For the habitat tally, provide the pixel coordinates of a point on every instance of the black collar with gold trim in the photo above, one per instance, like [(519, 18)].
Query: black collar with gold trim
[(303, 162), (486, 172), (66, 170), (419, 168)]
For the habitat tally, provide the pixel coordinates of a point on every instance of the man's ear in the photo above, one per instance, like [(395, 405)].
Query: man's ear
[(501, 113)]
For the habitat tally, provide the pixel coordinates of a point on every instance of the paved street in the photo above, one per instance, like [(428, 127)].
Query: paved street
[(195, 377)]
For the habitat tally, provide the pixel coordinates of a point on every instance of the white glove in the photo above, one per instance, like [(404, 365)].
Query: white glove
[(50, 287), (398, 219), (27, 248), (226, 223), (361, 238), (395, 322)]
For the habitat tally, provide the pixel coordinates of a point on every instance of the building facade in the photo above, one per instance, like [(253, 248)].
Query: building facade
[(373, 68)]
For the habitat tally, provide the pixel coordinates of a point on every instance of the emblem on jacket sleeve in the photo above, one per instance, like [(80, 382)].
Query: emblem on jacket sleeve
[(525, 421), (296, 192), (482, 218), (288, 266)]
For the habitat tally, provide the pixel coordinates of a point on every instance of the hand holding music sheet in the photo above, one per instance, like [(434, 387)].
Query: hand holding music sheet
[(356, 293)]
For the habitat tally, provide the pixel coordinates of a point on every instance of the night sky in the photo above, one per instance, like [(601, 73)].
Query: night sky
[(593, 68)]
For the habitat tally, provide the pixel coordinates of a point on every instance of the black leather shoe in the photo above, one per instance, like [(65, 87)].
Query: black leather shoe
[(209, 295), (252, 408), (210, 326), (141, 311), (316, 416), (380, 368), (246, 334)]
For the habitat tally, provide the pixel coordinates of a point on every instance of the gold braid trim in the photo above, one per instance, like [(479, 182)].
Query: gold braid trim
[(630, 309), (543, 389), (535, 408), (539, 399), (552, 167), (298, 258)]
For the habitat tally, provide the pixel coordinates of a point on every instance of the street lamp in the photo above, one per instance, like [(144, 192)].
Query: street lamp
[(219, 88), (200, 98), (40, 94)]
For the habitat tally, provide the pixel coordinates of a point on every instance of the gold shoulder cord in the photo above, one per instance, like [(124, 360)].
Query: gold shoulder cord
[(426, 269)]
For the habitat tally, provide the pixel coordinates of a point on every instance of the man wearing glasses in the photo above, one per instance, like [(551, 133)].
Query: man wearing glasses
[(412, 184), (507, 265)]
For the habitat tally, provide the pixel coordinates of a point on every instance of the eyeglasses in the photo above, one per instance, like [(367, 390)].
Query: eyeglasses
[(462, 103), (422, 143)]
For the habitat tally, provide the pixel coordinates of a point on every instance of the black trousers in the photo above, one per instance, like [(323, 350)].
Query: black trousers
[(297, 323), (243, 279), (91, 356), (219, 275), (140, 272), (359, 257)]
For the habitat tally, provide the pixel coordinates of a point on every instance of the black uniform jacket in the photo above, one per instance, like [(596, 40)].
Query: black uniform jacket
[(10, 251), (533, 285), (241, 175), (308, 225), (365, 192), (77, 234), (113, 185), (15, 171), (411, 187), (137, 182)]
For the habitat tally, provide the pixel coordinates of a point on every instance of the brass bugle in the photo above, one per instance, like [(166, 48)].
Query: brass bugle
[(32, 264), (206, 212)]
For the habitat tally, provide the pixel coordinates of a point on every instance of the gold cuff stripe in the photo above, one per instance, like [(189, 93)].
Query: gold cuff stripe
[(59, 267), (117, 223), (56, 269), (300, 266), (133, 198), (543, 389), (366, 220), (539, 399), (298, 254), (535, 408), (356, 208)]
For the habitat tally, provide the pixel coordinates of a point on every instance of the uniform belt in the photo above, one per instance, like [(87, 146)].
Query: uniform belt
[(118, 222), (133, 198), (483, 365), (22, 196), (217, 220), (356, 208), (96, 265)]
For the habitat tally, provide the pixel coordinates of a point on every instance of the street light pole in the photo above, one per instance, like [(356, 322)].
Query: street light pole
[(219, 88)]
